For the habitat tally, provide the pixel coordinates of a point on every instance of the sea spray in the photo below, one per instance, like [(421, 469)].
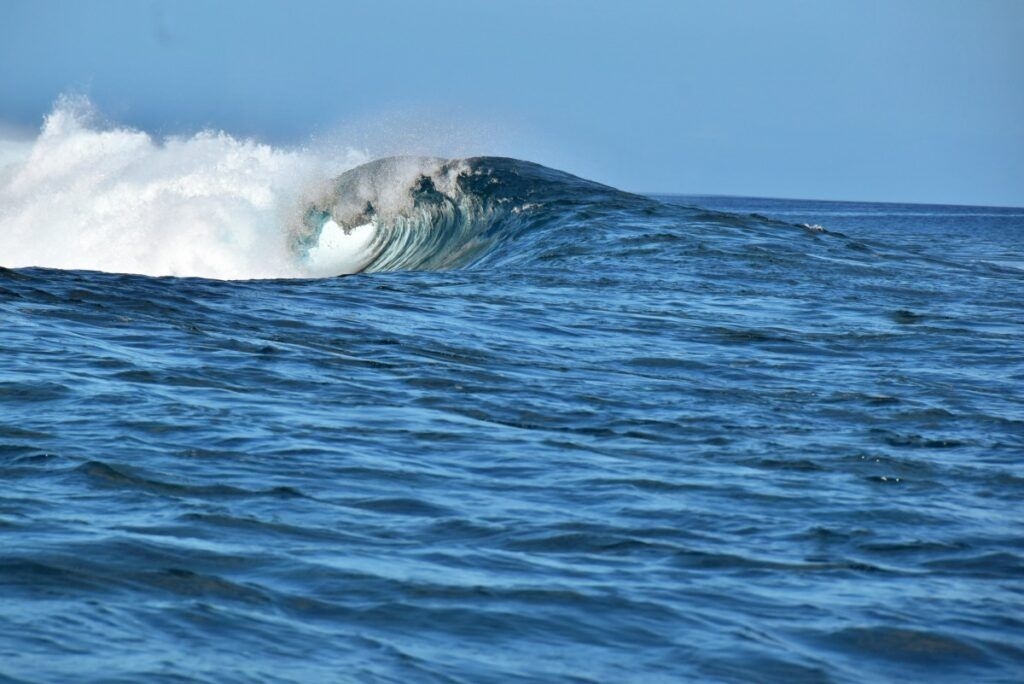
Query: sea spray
[(82, 195)]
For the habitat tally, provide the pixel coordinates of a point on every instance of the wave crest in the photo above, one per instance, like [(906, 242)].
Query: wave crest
[(424, 213)]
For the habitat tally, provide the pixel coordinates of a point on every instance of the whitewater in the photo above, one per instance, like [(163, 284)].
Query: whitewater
[(543, 429), (93, 195)]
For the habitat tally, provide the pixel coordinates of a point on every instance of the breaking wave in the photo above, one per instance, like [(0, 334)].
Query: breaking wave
[(82, 195)]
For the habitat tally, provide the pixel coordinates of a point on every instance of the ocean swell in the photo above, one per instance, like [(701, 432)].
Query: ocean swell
[(87, 196)]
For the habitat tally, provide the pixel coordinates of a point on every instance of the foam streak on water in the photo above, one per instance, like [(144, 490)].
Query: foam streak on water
[(572, 433)]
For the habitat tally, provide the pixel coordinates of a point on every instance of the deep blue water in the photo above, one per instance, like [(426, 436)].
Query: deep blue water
[(593, 437)]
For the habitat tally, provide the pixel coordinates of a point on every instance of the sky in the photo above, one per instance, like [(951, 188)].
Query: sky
[(897, 100)]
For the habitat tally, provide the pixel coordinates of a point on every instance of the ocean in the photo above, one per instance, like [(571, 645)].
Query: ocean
[(540, 429)]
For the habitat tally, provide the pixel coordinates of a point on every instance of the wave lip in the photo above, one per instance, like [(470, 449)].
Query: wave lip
[(428, 213)]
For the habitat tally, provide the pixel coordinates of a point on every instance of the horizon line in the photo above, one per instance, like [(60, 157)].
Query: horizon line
[(819, 199)]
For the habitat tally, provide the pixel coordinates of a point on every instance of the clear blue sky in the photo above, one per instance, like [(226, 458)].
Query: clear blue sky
[(916, 100)]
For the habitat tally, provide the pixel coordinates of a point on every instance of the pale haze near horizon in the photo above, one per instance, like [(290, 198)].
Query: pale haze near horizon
[(917, 101)]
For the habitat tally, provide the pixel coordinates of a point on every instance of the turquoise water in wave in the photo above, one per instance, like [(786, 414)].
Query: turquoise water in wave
[(618, 439)]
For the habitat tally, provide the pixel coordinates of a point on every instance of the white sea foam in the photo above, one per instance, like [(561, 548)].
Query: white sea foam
[(338, 250), (81, 195)]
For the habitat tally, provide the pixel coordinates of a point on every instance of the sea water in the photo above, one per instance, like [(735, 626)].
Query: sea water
[(548, 431)]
